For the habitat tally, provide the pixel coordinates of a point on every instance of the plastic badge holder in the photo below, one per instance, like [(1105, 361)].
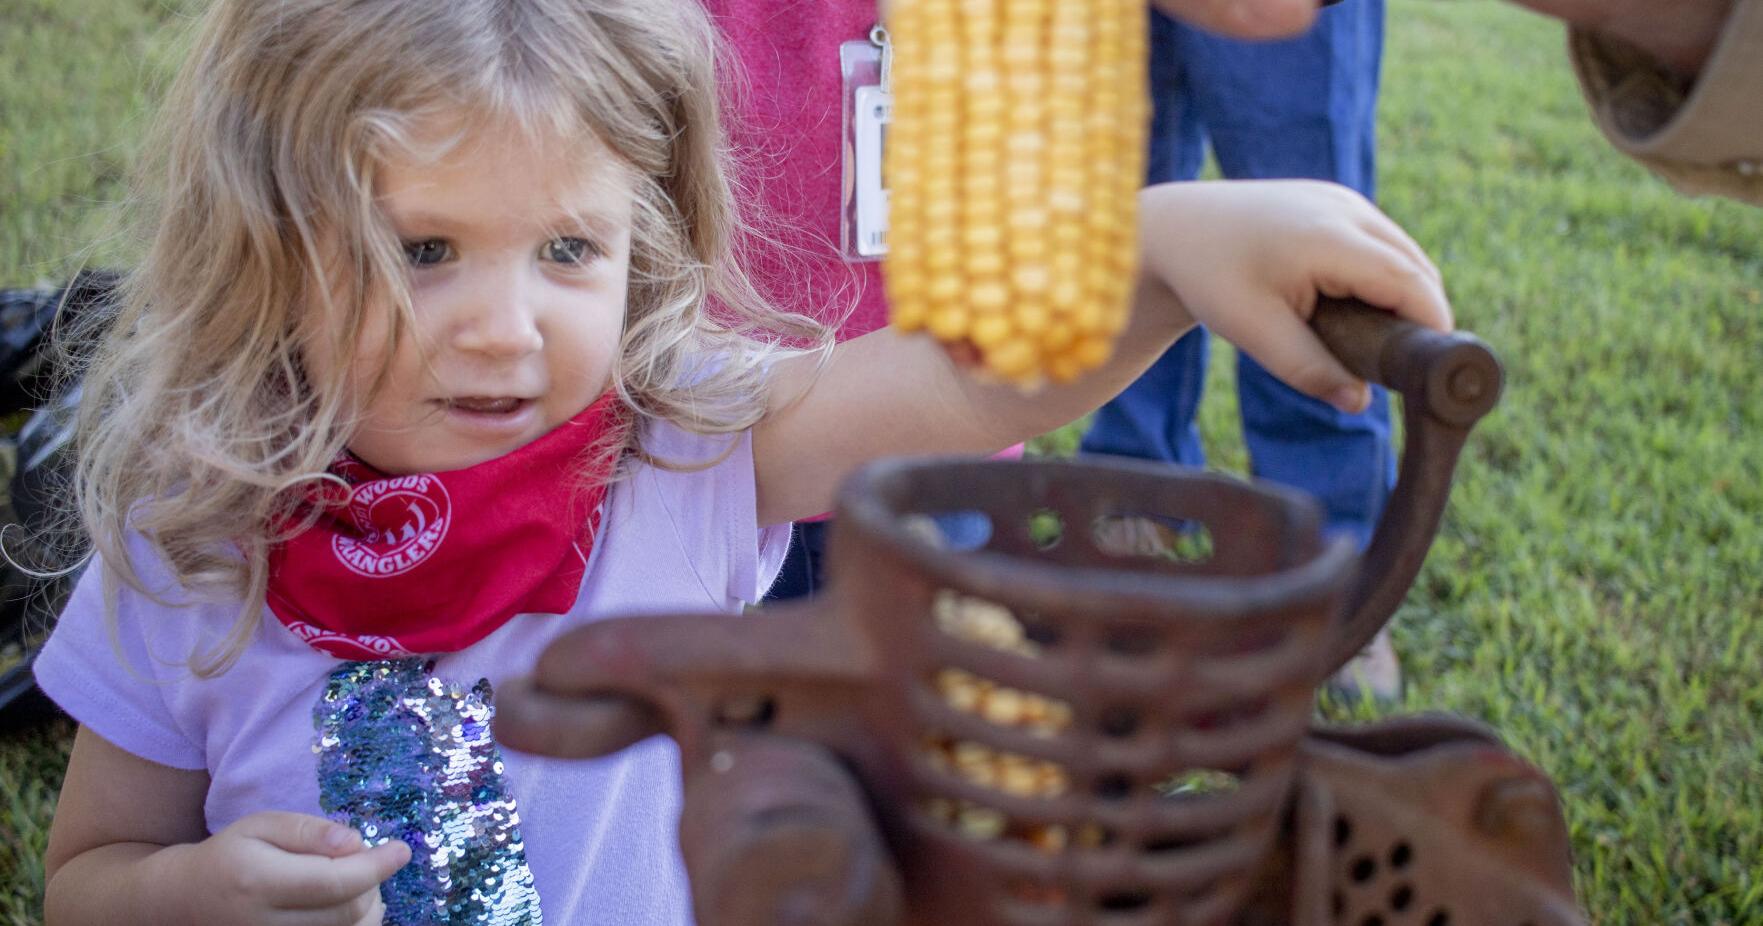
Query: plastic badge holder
[(868, 107)]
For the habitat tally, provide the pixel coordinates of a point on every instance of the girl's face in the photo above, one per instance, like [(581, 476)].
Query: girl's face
[(518, 256)]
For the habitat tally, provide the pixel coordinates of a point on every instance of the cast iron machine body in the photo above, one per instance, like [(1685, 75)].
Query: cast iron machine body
[(1140, 748)]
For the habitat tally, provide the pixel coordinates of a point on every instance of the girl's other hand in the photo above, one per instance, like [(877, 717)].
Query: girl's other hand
[(1249, 258), (290, 868)]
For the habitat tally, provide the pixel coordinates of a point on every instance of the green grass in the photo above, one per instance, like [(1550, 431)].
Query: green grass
[(1596, 589), (75, 79)]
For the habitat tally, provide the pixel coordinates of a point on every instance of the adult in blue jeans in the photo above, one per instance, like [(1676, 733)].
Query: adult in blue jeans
[(1300, 107)]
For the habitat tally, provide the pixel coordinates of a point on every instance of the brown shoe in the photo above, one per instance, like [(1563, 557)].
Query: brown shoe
[(1374, 673)]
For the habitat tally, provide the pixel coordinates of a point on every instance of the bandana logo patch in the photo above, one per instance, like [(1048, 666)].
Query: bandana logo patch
[(401, 520)]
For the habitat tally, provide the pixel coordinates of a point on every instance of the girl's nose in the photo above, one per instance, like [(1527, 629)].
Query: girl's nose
[(501, 322)]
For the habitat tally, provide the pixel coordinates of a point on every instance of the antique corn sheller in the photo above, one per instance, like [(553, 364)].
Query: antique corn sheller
[(1064, 727)]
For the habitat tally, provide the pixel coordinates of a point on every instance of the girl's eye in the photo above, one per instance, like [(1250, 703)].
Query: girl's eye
[(426, 253), (570, 250)]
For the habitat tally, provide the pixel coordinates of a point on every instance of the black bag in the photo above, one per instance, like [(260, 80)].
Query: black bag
[(38, 491)]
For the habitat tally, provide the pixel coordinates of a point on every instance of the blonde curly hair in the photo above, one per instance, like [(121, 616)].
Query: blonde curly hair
[(256, 197)]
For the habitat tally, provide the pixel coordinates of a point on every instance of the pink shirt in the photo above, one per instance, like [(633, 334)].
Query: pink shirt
[(786, 124), (787, 127)]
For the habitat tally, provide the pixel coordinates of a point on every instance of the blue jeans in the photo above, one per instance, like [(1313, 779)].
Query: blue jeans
[(1303, 107), (804, 569)]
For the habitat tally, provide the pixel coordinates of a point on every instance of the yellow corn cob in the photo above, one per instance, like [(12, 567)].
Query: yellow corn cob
[(1014, 163)]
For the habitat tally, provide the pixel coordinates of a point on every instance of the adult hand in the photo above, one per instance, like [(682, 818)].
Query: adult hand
[(1679, 34), (1244, 19)]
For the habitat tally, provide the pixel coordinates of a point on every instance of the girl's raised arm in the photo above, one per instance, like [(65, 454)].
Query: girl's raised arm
[(1247, 259)]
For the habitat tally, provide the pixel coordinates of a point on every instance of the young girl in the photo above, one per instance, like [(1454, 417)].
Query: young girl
[(417, 373)]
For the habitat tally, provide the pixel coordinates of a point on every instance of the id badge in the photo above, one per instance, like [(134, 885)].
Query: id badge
[(868, 108)]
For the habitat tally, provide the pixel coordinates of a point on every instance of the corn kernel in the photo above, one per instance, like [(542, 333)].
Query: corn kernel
[(980, 823), (1003, 707)]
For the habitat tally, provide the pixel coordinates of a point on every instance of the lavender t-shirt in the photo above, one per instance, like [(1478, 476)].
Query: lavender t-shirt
[(403, 747)]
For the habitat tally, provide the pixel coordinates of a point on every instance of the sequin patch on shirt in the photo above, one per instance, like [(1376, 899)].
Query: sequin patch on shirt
[(405, 755)]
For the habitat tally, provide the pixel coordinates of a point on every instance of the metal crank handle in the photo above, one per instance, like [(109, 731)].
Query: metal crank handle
[(1447, 383), (1453, 377)]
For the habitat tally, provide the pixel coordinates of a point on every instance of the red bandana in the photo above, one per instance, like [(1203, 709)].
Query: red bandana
[(434, 562)]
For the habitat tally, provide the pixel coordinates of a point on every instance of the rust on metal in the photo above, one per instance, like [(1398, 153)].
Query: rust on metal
[(1103, 715)]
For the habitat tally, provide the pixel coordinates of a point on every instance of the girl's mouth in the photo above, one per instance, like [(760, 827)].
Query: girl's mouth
[(485, 405), (492, 418)]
